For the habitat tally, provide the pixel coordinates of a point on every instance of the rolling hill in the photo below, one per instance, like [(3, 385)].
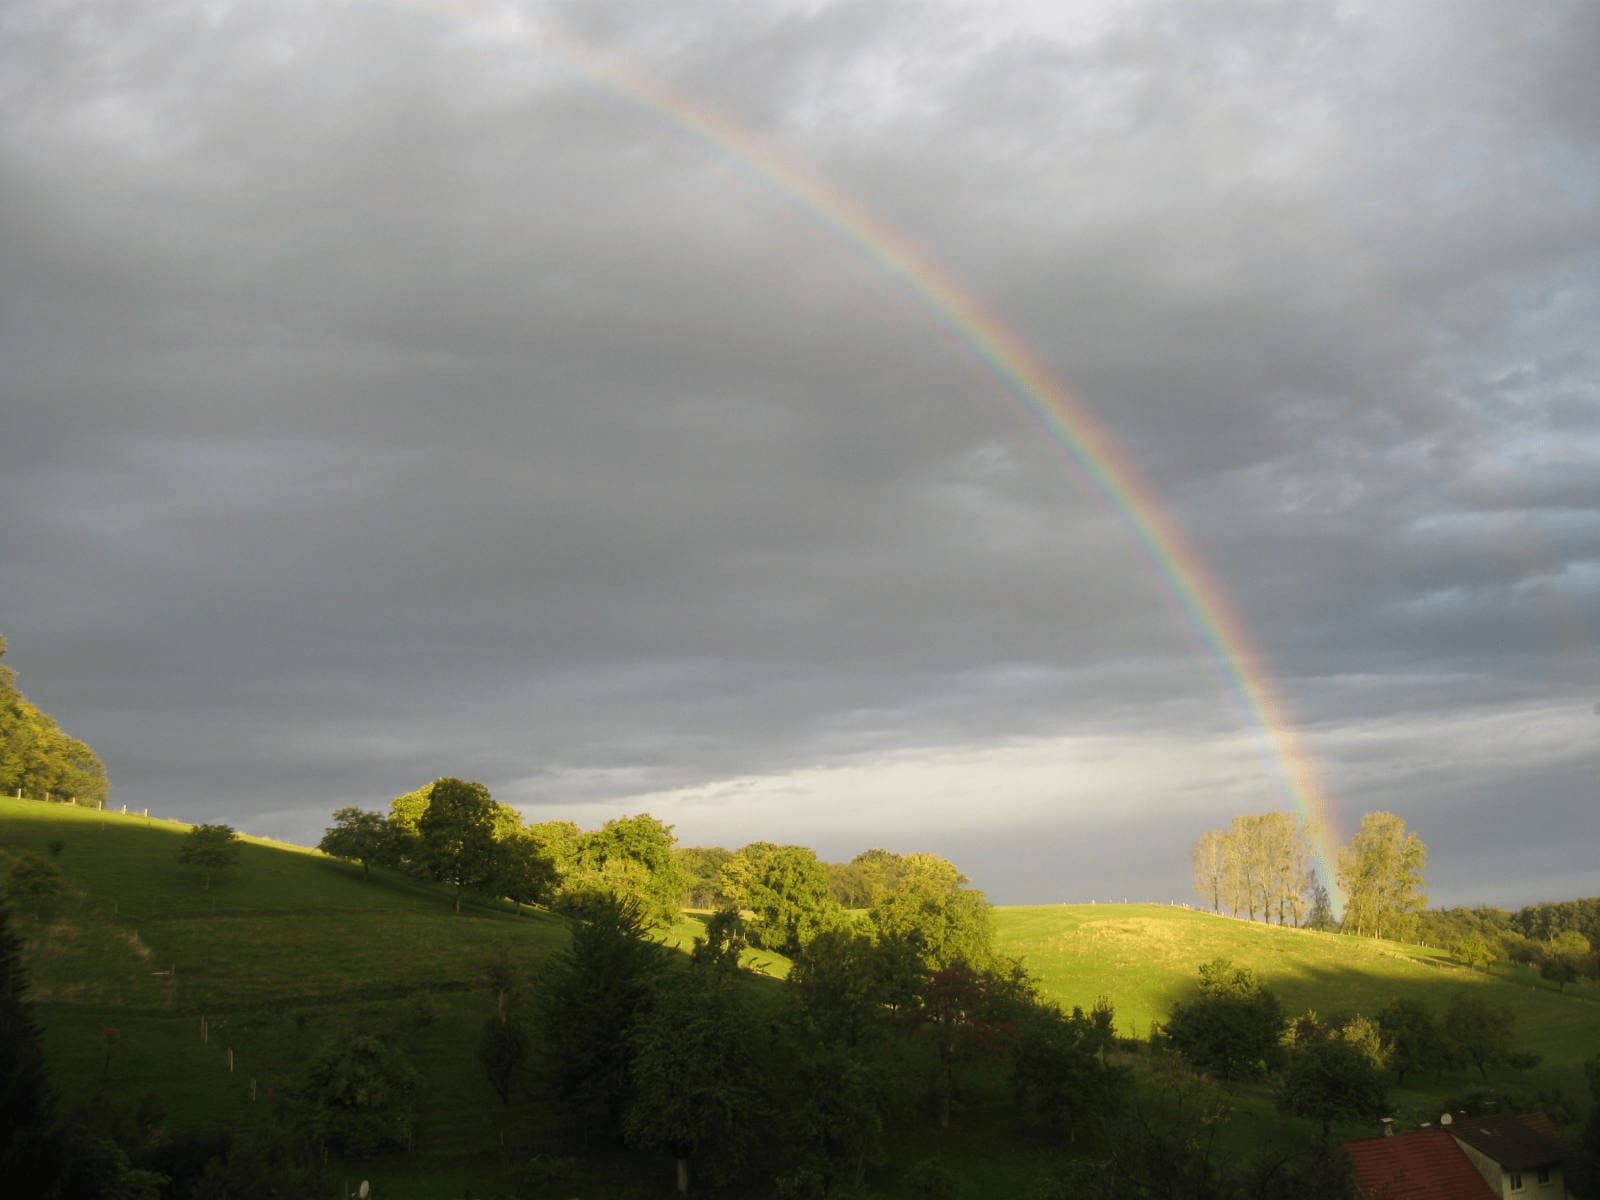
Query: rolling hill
[(295, 947)]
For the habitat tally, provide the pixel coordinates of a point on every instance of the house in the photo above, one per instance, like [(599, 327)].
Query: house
[(1521, 1157), (1466, 1158)]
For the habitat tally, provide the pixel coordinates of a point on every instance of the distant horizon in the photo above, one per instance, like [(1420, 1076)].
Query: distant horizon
[(1190, 902)]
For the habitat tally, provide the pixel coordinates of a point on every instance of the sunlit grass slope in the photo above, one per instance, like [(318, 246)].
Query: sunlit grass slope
[(289, 949), (1145, 957)]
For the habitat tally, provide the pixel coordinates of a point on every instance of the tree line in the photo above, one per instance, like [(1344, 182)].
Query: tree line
[(454, 832), (1557, 939), (1261, 868), (37, 758)]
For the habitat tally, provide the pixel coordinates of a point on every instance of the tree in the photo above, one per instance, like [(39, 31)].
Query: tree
[(1331, 1079), (358, 835), (588, 1003), (1477, 1033), (834, 1101), (210, 849), (697, 1074), (844, 984), (458, 835), (630, 858), (1473, 951), (1232, 1027), (1413, 1038), (929, 907), (1259, 866), (1286, 848), (785, 889), (405, 839), (1209, 868), (701, 868), (971, 1014), (1381, 874), (358, 1097), (877, 872), (1057, 1068), (1321, 915), (1566, 959), (37, 757), (723, 945), (30, 1152), (502, 1049)]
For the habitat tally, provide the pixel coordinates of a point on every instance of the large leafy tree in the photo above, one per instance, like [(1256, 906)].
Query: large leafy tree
[(526, 870), (1331, 1079), (930, 907), (1231, 1028), (358, 1097), (629, 858), (458, 835), (697, 1076), (358, 835), (785, 889), (36, 757), (971, 1014), (1412, 1038), (405, 841), (1380, 872), (1567, 958), (1058, 1068), (845, 984), (1478, 1034)]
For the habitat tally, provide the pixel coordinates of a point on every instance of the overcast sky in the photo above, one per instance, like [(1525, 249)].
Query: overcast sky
[(387, 392)]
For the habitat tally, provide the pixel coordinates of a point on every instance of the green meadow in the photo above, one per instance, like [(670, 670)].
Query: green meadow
[(145, 981)]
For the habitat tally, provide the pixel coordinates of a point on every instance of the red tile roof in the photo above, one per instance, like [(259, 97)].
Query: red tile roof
[(1416, 1166)]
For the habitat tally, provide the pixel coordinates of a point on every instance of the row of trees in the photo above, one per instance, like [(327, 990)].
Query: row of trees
[(1536, 936), (454, 832), (37, 758), (1260, 867)]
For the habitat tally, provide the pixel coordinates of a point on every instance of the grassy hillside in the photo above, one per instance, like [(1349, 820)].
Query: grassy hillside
[(1145, 957), (288, 950), (293, 948)]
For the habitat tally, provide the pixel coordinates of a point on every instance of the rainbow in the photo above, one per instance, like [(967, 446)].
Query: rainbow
[(1012, 363)]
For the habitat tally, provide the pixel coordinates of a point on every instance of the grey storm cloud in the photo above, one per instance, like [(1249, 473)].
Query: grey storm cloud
[(390, 390)]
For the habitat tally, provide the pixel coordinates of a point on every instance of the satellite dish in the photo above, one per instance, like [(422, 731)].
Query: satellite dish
[(1445, 1118), (364, 1190)]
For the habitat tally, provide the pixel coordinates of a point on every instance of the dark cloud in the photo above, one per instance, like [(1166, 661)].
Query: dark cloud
[(392, 392)]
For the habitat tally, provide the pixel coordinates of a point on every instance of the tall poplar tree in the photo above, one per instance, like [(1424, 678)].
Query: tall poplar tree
[(1380, 872), (1210, 866)]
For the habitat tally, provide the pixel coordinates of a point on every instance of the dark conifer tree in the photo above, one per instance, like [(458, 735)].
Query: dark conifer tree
[(29, 1145)]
